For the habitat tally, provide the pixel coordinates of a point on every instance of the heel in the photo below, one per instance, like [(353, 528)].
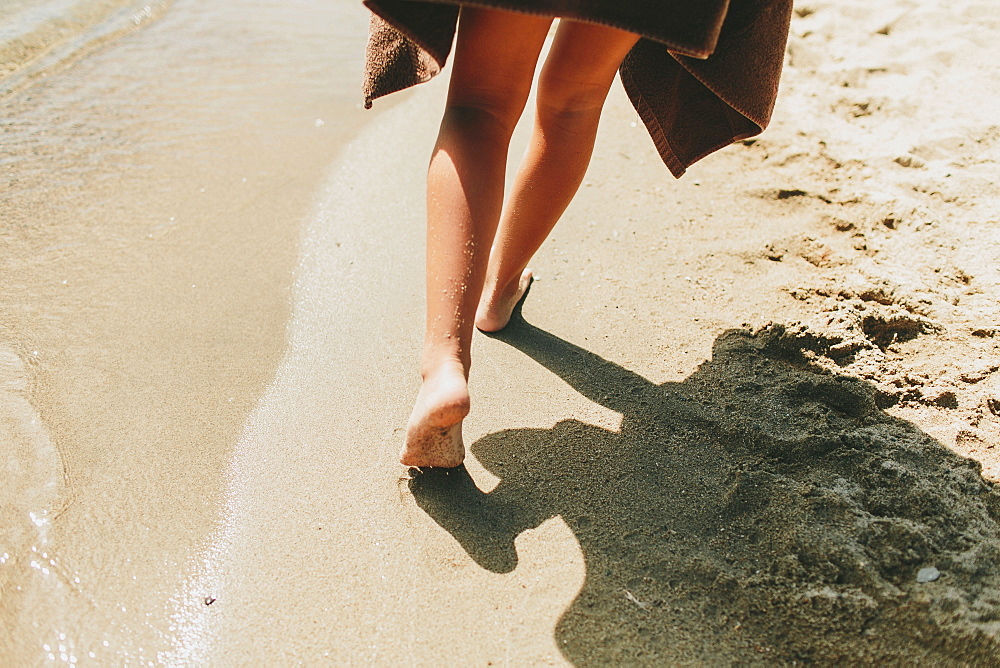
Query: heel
[(434, 447)]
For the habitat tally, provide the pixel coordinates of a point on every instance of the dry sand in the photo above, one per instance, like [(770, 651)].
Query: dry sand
[(748, 417)]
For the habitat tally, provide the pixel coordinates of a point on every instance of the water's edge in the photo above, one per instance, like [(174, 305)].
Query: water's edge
[(153, 193)]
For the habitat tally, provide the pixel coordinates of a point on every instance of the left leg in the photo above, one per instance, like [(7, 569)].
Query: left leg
[(494, 63)]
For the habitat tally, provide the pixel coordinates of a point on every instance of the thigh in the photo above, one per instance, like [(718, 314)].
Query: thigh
[(581, 65), (495, 57)]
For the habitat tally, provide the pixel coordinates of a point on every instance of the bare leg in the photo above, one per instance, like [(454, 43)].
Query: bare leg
[(574, 83), (494, 63)]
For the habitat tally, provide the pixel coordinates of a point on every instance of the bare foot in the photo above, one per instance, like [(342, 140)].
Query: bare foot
[(434, 432), (497, 304)]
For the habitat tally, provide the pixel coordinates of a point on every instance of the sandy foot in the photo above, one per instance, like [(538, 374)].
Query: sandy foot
[(434, 431), (496, 307)]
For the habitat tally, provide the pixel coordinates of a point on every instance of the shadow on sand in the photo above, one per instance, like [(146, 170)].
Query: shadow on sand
[(761, 510)]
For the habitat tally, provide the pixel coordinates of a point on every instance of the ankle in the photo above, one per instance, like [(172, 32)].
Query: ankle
[(437, 365), (499, 289)]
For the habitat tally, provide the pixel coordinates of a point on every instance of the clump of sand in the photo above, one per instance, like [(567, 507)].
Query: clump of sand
[(887, 147)]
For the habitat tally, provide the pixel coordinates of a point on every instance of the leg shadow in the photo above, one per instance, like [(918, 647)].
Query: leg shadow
[(484, 524), (761, 510)]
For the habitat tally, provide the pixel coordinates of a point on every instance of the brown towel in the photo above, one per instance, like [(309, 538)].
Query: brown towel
[(704, 75)]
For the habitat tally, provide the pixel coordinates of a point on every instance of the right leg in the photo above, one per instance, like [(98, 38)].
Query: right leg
[(573, 85), (494, 63)]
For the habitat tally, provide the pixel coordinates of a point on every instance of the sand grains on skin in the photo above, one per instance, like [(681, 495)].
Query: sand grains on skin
[(434, 430)]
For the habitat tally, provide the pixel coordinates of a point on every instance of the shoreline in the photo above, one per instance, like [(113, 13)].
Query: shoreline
[(157, 190)]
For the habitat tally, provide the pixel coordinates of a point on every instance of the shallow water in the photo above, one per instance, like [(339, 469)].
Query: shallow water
[(209, 68), (37, 37), (156, 163)]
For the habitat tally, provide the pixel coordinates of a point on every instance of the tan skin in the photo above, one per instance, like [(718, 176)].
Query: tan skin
[(477, 249)]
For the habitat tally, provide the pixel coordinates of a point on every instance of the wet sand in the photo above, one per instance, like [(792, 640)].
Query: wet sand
[(732, 426), (154, 198)]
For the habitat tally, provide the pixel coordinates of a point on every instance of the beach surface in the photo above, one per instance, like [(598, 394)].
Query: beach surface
[(751, 416)]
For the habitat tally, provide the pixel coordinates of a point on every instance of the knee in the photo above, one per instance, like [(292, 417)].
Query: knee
[(562, 98), (497, 104)]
